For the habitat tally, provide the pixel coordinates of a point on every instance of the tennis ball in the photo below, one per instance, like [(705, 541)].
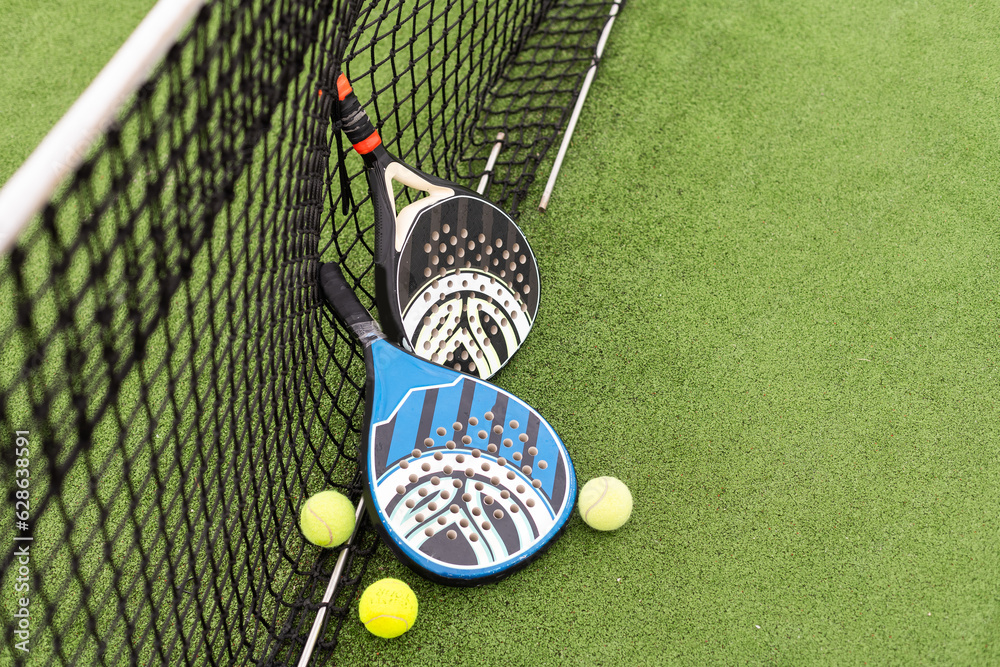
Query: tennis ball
[(388, 608), (605, 503), (327, 519)]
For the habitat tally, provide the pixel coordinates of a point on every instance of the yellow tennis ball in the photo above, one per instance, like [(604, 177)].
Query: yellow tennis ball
[(327, 519), (388, 608), (605, 503)]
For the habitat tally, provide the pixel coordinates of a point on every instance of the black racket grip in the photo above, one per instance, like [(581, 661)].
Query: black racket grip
[(357, 126), (345, 302)]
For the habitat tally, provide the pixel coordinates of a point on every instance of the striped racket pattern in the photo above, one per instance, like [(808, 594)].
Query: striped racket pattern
[(466, 482), (468, 479), (455, 279), (467, 285)]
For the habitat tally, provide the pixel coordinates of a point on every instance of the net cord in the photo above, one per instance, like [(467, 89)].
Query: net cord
[(64, 148)]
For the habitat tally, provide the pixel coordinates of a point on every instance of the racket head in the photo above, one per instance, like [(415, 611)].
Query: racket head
[(456, 281), (465, 285), (467, 483)]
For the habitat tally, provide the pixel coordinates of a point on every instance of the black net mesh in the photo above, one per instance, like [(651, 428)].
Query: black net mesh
[(176, 383)]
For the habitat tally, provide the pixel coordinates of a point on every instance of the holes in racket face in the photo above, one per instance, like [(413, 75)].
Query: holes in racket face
[(467, 286), (463, 327), (493, 485), (468, 495)]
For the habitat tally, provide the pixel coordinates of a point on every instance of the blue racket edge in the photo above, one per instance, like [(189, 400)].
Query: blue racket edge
[(465, 482)]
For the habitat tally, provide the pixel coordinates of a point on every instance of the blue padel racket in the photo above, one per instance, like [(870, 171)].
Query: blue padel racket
[(455, 279), (466, 482)]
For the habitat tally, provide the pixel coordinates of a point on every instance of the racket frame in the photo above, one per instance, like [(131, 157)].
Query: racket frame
[(393, 229), (367, 332)]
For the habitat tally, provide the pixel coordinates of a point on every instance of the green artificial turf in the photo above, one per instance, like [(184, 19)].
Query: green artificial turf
[(52, 49), (769, 306)]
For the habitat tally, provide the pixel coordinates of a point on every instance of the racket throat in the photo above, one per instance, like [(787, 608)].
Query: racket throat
[(406, 215), (367, 333), (388, 310)]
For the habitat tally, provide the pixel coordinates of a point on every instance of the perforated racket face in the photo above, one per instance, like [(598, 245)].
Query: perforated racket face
[(468, 481), (467, 285)]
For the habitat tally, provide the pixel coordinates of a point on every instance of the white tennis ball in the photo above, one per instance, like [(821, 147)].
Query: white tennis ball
[(605, 503)]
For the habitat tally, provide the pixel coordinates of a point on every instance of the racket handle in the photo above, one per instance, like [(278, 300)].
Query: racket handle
[(346, 306), (357, 126)]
